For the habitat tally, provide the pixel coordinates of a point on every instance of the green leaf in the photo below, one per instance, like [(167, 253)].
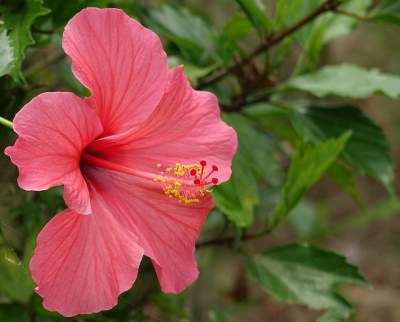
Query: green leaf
[(253, 161), (15, 278), (6, 53), (348, 81), (307, 166), (255, 11), (189, 32), (18, 19), (306, 275), (367, 149), (388, 11)]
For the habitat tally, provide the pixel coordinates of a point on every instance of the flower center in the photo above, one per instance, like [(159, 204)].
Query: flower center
[(188, 183)]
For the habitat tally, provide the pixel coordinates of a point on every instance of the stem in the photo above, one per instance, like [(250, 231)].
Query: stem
[(328, 5), (6, 122)]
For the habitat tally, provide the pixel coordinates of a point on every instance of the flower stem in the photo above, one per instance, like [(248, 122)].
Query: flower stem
[(6, 122)]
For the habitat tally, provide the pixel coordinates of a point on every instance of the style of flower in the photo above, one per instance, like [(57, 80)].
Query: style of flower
[(137, 160)]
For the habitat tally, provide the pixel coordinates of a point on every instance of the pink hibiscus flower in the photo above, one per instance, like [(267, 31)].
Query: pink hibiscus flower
[(137, 159)]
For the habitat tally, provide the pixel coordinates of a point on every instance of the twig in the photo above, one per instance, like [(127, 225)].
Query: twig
[(273, 40)]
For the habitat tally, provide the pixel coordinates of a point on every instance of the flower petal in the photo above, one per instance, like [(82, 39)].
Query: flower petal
[(82, 263), (53, 130), (186, 127), (166, 229), (121, 62)]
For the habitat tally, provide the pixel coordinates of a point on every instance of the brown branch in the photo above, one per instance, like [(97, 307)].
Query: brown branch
[(273, 40)]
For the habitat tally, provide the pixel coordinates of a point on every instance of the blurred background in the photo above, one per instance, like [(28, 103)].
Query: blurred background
[(357, 217)]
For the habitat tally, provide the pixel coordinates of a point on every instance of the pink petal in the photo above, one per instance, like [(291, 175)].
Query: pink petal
[(121, 62), (53, 130), (186, 127), (167, 230), (82, 263)]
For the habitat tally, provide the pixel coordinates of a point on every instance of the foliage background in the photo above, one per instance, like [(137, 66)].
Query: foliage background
[(297, 174)]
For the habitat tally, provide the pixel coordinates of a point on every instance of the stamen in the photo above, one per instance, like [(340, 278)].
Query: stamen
[(186, 182)]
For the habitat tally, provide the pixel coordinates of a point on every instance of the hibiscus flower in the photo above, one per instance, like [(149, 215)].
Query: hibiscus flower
[(137, 160)]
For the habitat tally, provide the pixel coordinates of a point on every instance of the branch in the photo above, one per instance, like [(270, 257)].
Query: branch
[(328, 5)]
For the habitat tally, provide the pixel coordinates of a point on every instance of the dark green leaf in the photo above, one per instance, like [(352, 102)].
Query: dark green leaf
[(367, 149), (347, 80), (306, 275), (18, 20), (255, 11), (308, 164)]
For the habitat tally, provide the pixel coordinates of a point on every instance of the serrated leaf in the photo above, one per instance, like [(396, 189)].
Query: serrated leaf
[(255, 11), (306, 275), (6, 53), (367, 149), (308, 164), (238, 197), (18, 19), (348, 81)]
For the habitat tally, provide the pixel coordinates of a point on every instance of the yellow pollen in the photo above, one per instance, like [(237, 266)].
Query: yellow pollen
[(187, 183)]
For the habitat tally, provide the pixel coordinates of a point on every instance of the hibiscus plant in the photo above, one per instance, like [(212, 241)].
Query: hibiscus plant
[(188, 160)]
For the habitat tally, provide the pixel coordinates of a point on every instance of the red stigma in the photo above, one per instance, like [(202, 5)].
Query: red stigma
[(193, 172), (215, 168), (196, 181), (203, 163), (214, 180)]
